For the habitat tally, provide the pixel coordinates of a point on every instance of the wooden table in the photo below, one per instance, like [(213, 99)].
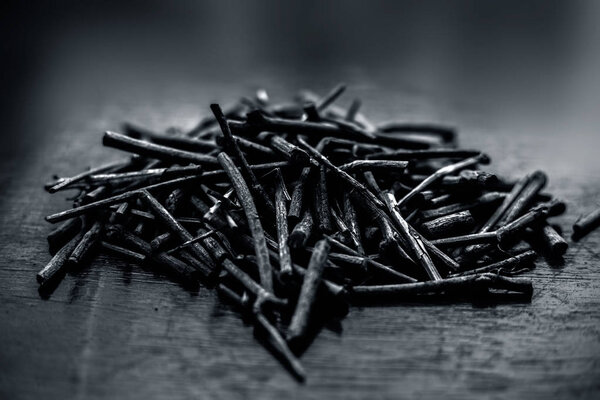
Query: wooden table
[(114, 331)]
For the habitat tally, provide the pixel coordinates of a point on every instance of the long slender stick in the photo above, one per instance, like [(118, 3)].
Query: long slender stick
[(187, 243), (439, 255), (250, 284), (369, 165), (369, 262), (503, 234), (536, 182), (256, 229), (66, 182), (332, 288), (306, 299), (440, 173), (322, 206), (515, 192), (486, 280), (352, 222), (140, 176), (148, 149), (246, 171), (484, 199), (463, 240), (177, 142), (280, 344), (260, 122), (510, 262), (220, 176), (422, 154), (445, 132), (414, 241), (177, 229), (389, 243), (361, 260), (295, 212), (332, 96), (123, 252), (273, 335), (77, 211), (285, 259), (356, 185)]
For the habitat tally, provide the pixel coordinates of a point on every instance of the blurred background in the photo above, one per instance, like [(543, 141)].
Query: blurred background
[(517, 62)]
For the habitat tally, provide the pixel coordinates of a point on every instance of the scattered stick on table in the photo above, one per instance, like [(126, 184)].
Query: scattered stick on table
[(210, 206), (307, 297)]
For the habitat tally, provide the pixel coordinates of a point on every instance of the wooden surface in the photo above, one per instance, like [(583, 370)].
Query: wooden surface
[(114, 331)]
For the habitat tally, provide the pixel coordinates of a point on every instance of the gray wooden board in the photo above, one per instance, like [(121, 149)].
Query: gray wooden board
[(112, 330)]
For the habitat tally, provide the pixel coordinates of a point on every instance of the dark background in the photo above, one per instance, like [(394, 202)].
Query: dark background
[(519, 78)]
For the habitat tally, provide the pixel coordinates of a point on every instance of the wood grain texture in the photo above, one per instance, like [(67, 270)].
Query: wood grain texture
[(112, 330)]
